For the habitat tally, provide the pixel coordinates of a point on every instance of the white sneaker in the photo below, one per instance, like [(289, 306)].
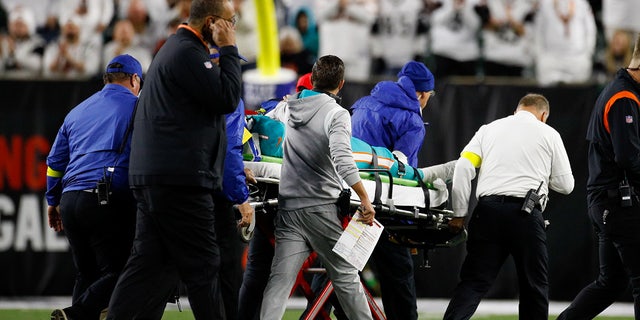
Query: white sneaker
[(58, 314), (103, 314)]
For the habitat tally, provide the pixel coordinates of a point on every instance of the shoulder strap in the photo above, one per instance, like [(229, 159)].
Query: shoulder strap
[(612, 100)]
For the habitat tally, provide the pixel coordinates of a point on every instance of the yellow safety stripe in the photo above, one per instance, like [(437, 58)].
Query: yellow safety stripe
[(246, 135), (475, 159), (53, 173)]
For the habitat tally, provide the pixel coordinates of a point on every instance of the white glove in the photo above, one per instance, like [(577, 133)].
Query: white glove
[(440, 195)]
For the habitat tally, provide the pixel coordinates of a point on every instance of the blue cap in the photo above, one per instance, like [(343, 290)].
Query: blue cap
[(126, 64), (419, 74)]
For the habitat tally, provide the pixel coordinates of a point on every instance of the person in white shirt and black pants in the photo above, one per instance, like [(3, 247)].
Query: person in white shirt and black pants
[(515, 154)]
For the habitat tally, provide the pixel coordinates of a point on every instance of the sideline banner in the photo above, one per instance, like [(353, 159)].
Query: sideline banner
[(34, 260)]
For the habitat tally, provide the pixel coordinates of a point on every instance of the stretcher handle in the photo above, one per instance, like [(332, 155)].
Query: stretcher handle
[(440, 217), (264, 204), (246, 233)]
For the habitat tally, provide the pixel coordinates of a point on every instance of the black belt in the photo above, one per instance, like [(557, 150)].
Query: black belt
[(93, 191), (615, 193), (502, 199), (505, 199)]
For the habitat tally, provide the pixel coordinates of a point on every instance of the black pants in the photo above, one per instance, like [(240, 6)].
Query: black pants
[(175, 240), (498, 229), (100, 238), (230, 274), (619, 255), (393, 265), (256, 274)]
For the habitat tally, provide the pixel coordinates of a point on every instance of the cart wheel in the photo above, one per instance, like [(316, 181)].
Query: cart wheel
[(245, 234)]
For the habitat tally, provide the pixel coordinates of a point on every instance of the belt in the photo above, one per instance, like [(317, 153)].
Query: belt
[(615, 193), (616, 196), (506, 199), (502, 199), (95, 191)]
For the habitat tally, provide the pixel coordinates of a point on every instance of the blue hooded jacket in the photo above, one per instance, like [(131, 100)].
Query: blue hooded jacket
[(234, 184), (390, 117)]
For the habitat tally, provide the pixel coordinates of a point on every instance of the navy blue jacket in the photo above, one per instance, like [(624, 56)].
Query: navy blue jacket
[(614, 138), (179, 136)]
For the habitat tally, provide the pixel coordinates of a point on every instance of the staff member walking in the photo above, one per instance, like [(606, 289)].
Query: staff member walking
[(307, 218), (177, 153), (515, 154), (612, 193), (235, 192), (391, 117), (88, 190)]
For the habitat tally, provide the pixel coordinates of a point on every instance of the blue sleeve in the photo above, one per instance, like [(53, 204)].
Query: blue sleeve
[(54, 191), (57, 162), (409, 139), (234, 183)]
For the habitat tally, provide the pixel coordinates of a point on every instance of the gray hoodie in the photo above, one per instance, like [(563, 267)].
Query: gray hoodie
[(317, 152)]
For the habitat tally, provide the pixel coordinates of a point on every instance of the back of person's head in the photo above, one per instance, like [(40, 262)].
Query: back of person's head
[(304, 82), (534, 100), (419, 74), (121, 68), (327, 73), (201, 9), (290, 40)]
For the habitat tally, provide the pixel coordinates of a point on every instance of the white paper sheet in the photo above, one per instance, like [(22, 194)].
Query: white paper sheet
[(358, 241)]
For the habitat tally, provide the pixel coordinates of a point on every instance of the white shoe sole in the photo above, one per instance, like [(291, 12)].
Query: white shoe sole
[(58, 314)]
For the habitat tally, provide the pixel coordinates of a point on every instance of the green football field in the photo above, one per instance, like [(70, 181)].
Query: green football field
[(12, 314)]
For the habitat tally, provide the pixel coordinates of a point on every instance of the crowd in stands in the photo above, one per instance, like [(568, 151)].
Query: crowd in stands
[(549, 41)]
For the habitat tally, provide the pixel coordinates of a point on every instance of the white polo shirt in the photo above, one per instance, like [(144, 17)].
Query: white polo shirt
[(514, 155)]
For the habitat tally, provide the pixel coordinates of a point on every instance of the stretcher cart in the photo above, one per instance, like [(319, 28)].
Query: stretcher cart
[(404, 207)]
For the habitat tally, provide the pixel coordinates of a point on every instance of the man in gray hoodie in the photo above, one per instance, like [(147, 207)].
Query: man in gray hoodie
[(317, 158)]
